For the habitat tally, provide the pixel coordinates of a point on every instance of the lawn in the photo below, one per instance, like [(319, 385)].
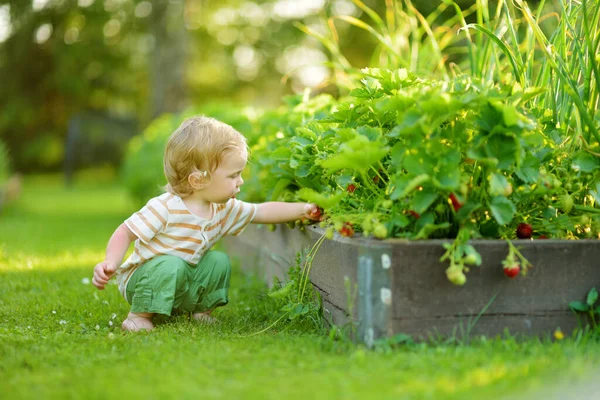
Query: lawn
[(60, 337)]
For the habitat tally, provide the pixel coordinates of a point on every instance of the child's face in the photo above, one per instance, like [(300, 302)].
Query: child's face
[(227, 178)]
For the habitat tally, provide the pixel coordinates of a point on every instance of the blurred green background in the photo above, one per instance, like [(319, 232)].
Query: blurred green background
[(80, 77)]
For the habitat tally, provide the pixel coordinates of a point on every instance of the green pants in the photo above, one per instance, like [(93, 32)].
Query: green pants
[(168, 284)]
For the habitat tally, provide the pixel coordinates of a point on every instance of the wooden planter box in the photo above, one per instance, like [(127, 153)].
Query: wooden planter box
[(402, 286)]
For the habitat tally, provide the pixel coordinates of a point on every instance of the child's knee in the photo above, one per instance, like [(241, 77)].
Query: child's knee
[(220, 262), (171, 267)]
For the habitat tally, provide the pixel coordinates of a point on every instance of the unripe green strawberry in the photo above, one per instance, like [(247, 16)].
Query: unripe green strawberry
[(329, 233), (380, 231), (387, 204), (566, 203), (456, 275), (471, 259), (367, 224)]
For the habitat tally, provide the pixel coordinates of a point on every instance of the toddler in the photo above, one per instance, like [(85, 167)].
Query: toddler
[(172, 267)]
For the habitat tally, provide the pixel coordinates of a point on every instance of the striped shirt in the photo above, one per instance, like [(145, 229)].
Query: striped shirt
[(165, 226)]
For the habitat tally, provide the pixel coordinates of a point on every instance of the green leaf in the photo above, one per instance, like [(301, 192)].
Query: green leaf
[(358, 154), (419, 163), (467, 209), (403, 188), (428, 229), (399, 220), (499, 185), (397, 155), (596, 193), (585, 162), (529, 171), (322, 200), (344, 180), (423, 199), (448, 177), (503, 148), (592, 297), (502, 209), (579, 306)]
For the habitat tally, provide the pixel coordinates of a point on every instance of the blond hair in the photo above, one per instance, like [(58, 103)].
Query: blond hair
[(197, 146)]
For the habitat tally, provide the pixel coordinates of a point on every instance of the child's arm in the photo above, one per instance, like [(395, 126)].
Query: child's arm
[(115, 251), (275, 212)]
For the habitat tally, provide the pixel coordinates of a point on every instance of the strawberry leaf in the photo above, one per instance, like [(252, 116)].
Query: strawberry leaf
[(579, 306), (529, 170), (499, 185), (423, 199), (322, 200), (585, 162), (592, 297), (502, 209)]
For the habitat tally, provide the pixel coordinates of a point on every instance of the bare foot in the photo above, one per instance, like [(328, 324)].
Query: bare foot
[(205, 318), (137, 322)]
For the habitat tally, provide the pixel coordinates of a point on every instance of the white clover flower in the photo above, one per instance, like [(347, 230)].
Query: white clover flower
[(62, 322), (53, 311), (113, 316), (111, 335), (97, 327), (85, 281), (110, 323)]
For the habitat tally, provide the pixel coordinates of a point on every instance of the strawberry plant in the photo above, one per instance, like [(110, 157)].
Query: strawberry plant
[(589, 307), (297, 299), (413, 158)]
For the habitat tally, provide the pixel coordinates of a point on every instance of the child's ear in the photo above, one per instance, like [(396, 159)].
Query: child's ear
[(198, 179)]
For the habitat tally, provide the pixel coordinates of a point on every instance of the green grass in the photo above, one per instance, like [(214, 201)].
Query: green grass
[(57, 341)]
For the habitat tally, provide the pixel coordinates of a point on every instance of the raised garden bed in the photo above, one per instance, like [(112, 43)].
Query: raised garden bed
[(402, 287)]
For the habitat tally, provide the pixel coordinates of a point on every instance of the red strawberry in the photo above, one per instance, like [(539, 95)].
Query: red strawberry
[(347, 230), (542, 237), (317, 214), (456, 204), (351, 188), (414, 214), (524, 231), (511, 269)]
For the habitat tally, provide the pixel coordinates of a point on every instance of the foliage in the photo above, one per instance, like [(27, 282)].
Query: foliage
[(414, 158), (297, 299), (588, 307), (552, 49)]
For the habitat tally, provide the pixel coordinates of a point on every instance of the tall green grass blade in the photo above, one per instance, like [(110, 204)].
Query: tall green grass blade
[(371, 13), (362, 25), (592, 38), (472, 51), (561, 69), (517, 68)]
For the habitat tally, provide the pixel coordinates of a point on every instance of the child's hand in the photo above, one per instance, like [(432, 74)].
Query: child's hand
[(102, 273), (313, 212)]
